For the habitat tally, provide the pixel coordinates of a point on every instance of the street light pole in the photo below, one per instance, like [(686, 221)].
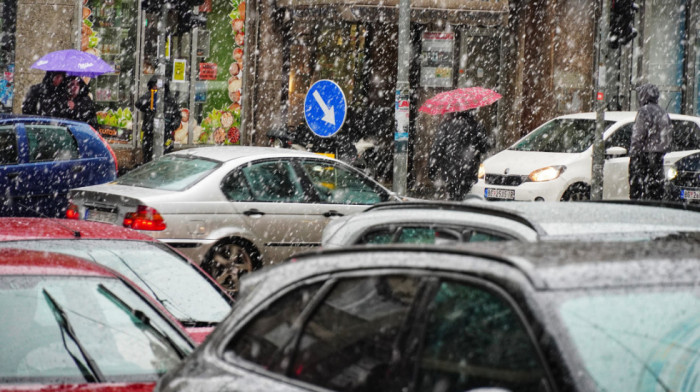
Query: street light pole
[(403, 99), (600, 82)]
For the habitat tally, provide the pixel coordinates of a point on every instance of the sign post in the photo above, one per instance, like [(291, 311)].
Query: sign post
[(325, 108), (403, 100), (600, 80)]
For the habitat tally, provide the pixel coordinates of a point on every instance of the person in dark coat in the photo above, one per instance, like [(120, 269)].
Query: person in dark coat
[(79, 106), (652, 134), (148, 104), (48, 97), (458, 148)]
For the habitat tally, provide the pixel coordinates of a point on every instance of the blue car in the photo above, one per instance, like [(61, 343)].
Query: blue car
[(42, 158)]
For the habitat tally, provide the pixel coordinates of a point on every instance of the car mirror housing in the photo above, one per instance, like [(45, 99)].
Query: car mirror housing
[(616, 151)]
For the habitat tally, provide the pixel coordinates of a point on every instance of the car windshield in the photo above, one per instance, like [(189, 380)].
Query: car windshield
[(52, 325), (640, 339), (156, 269), (560, 135), (170, 173)]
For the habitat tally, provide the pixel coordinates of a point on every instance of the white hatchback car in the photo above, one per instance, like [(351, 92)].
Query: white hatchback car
[(554, 161)]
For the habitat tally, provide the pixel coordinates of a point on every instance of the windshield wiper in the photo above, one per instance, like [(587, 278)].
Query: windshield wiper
[(93, 374), (139, 318)]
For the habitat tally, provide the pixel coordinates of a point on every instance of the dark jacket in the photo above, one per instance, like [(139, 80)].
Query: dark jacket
[(652, 131), (45, 99), (458, 147), (171, 112), (84, 107)]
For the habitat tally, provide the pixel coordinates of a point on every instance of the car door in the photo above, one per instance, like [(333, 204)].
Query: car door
[(9, 170), (616, 168), (270, 197), (52, 166), (394, 331)]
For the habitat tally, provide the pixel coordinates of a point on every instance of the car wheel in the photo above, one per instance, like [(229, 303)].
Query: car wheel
[(228, 262), (577, 192)]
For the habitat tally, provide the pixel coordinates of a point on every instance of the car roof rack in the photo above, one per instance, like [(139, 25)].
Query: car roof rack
[(462, 207)]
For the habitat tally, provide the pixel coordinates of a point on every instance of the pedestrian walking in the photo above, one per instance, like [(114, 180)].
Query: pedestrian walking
[(651, 139), (147, 105), (79, 106), (48, 97), (458, 148)]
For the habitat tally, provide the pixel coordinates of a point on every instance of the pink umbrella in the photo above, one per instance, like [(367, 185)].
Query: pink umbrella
[(460, 100)]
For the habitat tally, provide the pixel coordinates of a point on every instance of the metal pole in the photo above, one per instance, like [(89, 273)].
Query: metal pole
[(600, 81), (403, 99), (159, 121)]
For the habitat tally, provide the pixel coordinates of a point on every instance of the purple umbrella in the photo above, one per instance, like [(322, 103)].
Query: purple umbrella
[(73, 62)]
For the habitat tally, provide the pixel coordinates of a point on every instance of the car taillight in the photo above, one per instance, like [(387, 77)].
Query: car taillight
[(145, 218), (72, 212), (114, 156)]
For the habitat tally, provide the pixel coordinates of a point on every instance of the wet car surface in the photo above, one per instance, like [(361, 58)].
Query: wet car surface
[(476, 221), (232, 209), (69, 324), (183, 289), (557, 316), (42, 158)]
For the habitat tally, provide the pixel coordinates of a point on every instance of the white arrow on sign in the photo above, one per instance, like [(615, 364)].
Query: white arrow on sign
[(328, 113)]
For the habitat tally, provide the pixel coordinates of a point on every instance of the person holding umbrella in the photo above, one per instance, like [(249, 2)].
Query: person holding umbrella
[(78, 105), (48, 97), (460, 141)]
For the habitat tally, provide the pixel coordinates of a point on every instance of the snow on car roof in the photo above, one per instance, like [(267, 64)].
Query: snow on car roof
[(227, 153)]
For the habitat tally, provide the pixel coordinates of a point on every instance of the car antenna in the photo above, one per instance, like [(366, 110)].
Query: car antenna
[(76, 233)]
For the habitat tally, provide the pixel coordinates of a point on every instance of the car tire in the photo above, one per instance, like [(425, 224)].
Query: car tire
[(229, 260), (577, 192)]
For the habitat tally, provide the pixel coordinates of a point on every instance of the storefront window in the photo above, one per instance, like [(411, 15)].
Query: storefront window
[(664, 49), (8, 13), (219, 72), (109, 31)]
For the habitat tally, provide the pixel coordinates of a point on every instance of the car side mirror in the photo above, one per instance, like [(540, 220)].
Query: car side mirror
[(616, 152)]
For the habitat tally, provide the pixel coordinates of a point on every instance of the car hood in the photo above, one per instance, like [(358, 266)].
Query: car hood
[(524, 162)]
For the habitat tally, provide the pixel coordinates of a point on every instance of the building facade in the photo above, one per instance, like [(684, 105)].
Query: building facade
[(244, 66)]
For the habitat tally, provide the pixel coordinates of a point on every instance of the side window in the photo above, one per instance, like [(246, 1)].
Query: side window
[(474, 339), (8, 146), (686, 136), (339, 185), (235, 187), (482, 236), (621, 138), (428, 235), (266, 340), (383, 235), (51, 143), (274, 181), (350, 341)]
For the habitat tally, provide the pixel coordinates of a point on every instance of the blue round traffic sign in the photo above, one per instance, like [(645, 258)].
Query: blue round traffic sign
[(325, 108)]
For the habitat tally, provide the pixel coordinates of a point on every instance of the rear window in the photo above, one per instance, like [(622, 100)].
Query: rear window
[(170, 173), (560, 135)]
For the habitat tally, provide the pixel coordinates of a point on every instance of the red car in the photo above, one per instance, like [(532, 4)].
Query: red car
[(168, 276), (69, 324)]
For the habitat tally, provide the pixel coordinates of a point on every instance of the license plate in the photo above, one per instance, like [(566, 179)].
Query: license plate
[(687, 194), (100, 216), (495, 193)]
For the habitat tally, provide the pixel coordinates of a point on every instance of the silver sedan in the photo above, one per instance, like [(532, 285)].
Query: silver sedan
[(232, 209)]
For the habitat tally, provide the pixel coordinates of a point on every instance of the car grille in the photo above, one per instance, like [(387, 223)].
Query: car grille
[(497, 179), (687, 179)]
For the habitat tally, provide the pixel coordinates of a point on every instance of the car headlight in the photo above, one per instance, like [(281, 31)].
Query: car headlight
[(548, 173), (482, 171), (671, 173)]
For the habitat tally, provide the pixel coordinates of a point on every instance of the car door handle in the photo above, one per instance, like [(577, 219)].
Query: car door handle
[(12, 175), (331, 213), (77, 168), (253, 211)]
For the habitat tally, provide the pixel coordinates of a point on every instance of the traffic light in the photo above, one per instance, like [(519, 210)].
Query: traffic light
[(622, 29)]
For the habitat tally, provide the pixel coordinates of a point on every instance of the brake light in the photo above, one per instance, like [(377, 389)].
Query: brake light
[(72, 212), (114, 156), (145, 218)]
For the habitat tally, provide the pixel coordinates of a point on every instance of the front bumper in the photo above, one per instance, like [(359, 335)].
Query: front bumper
[(527, 191)]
